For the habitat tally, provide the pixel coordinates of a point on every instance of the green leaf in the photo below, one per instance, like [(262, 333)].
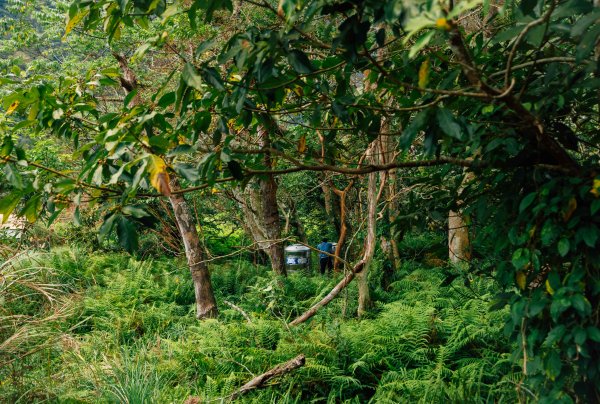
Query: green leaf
[(527, 6), (595, 206), (593, 333), (7, 146), (213, 78), (589, 234), (167, 99), (77, 217), (555, 335), (8, 204), (411, 131), (32, 208), (187, 171), (520, 258), (448, 124), (586, 44), (536, 306), (549, 232), (563, 247), (97, 177), (13, 176), (129, 97), (525, 202), (225, 157), (558, 306), (236, 169), (582, 24), (127, 234), (191, 77), (204, 46), (134, 211), (107, 226), (580, 335), (581, 304), (300, 62), (553, 364), (420, 44)]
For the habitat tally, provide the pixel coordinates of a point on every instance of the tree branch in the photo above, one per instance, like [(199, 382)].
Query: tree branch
[(260, 380)]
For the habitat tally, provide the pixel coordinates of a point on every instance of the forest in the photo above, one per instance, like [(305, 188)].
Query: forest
[(299, 201)]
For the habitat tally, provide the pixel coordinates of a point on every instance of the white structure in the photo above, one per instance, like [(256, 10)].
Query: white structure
[(297, 256)]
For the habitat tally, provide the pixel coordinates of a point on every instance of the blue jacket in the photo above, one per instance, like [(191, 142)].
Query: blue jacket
[(325, 247)]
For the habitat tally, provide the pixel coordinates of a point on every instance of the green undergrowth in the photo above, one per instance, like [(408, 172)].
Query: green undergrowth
[(129, 335)]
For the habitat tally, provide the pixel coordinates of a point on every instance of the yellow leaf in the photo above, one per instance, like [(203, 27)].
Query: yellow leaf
[(12, 107), (302, 144), (549, 288), (74, 21), (424, 73), (521, 280), (159, 177), (299, 91), (596, 188), (532, 231), (568, 211), (442, 23)]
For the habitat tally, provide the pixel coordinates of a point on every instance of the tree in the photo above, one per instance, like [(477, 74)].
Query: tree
[(519, 111)]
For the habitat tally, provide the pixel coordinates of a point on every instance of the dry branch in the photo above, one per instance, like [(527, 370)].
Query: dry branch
[(239, 310), (260, 380), (331, 295)]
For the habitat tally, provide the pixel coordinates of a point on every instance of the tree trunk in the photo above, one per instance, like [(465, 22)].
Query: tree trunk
[(364, 295), (270, 211), (332, 203), (344, 224), (206, 306), (459, 246), (259, 204), (386, 156), (459, 243)]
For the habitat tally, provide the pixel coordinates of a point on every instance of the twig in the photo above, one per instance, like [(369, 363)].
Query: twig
[(564, 59), (239, 310), (529, 26)]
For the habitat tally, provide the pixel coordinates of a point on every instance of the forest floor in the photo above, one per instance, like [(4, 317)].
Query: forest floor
[(104, 327)]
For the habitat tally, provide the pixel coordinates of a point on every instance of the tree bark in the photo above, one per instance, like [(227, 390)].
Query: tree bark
[(270, 210), (459, 242), (206, 305), (459, 246)]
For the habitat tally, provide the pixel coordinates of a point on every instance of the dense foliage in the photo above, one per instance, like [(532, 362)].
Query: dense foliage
[(488, 109), (125, 335)]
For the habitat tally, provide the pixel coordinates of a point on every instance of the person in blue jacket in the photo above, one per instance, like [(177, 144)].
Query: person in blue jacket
[(325, 260)]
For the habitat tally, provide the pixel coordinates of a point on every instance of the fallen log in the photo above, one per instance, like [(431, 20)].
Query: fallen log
[(330, 296), (260, 380)]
